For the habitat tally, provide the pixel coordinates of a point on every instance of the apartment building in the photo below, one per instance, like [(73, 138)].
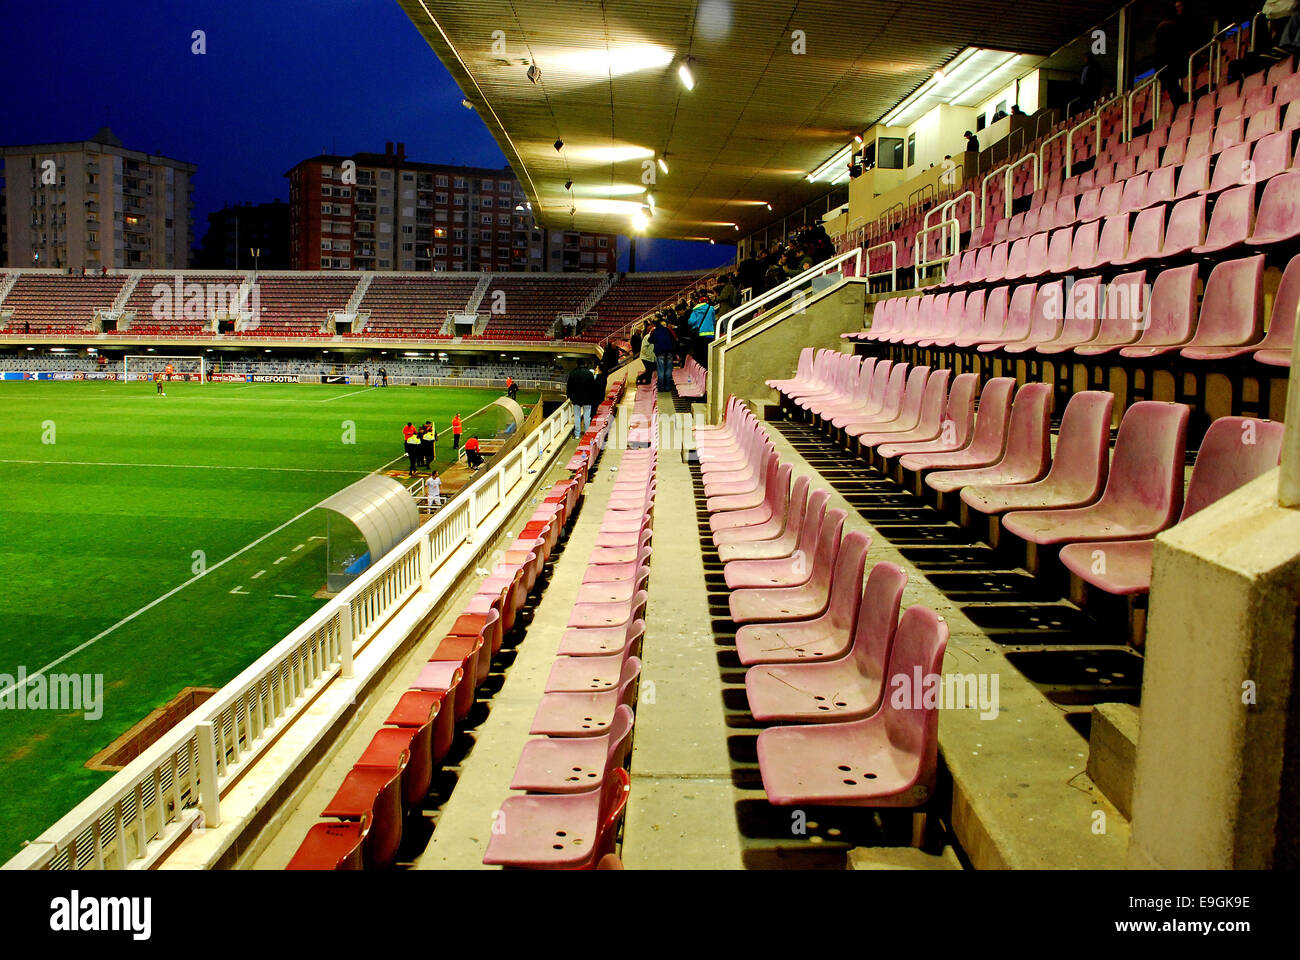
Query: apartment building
[(94, 204), (385, 212)]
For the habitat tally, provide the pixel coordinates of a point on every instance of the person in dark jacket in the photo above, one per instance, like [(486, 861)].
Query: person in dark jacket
[(579, 389), (664, 343)]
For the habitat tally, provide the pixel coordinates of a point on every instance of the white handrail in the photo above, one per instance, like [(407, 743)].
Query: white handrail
[(918, 248), (138, 814), (1011, 168), (777, 292), (893, 263), (1094, 121), (1151, 81), (984, 195)]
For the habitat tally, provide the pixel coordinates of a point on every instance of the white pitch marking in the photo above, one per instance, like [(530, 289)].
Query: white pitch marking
[(258, 574), (281, 560), (315, 538), (239, 589), (297, 548), (186, 466), (287, 596), (342, 395)]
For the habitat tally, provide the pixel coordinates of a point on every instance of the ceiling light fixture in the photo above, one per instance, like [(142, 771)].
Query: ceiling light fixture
[(663, 164), (684, 74), (466, 104), (568, 184), (650, 199), (559, 145), (533, 73)]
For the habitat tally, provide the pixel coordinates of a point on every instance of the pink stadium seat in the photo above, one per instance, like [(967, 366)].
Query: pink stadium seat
[(920, 416), (821, 638), (1020, 317), (900, 380), (1045, 322), (1193, 177), (1146, 238), (1059, 247), (585, 714), (888, 759), (805, 510), (1171, 315), (1079, 466), (1279, 211), (1036, 260), (955, 426), (1135, 192), (1231, 168), (1235, 451), (1083, 252), (569, 831), (988, 439), (408, 749), (1232, 220), (573, 764), (1160, 187), (1275, 348), (847, 688), (1027, 451), (1185, 230), (789, 570), (1083, 312), (1231, 311), (777, 499), (831, 559), (1144, 491)]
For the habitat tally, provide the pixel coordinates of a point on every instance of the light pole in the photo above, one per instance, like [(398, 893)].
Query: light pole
[(256, 253)]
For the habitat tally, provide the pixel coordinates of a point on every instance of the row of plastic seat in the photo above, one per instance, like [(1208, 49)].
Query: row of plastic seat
[(1091, 318), (820, 648), (574, 777), (1001, 465), (691, 379), (395, 772)]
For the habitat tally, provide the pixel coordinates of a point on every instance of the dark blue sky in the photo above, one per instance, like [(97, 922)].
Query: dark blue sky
[(281, 80)]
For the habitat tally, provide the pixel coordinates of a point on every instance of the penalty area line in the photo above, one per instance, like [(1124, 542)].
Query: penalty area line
[(153, 603)]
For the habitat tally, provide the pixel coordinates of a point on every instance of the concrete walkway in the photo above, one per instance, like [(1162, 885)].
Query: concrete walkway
[(681, 812)]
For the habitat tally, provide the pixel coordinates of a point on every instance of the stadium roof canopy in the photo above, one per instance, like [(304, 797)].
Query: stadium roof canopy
[(759, 119)]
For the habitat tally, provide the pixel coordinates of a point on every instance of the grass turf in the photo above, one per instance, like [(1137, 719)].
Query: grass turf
[(137, 496)]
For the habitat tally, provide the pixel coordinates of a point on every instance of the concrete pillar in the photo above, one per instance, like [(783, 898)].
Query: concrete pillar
[(1217, 783)]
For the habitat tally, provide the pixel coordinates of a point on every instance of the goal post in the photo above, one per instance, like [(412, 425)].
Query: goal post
[(144, 366)]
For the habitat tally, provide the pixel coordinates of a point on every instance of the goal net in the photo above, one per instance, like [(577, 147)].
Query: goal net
[(138, 367)]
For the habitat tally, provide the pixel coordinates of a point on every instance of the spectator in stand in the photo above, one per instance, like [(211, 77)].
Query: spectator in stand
[(664, 342), (646, 354), (728, 294), (972, 142), (578, 389), (1090, 80), (749, 274), (703, 322), (1174, 42)]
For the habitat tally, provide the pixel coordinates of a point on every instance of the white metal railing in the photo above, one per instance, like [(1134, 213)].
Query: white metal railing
[(1152, 81), (1214, 62), (984, 193), (893, 263), (780, 290), (922, 258), (178, 781), (1008, 185)]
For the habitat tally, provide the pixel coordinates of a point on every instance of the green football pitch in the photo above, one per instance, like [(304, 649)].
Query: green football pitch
[(167, 542)]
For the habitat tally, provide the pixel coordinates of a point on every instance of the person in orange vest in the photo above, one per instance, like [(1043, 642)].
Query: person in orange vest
[(511, 389), (455, 433), (472, 458), (169, 370)]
